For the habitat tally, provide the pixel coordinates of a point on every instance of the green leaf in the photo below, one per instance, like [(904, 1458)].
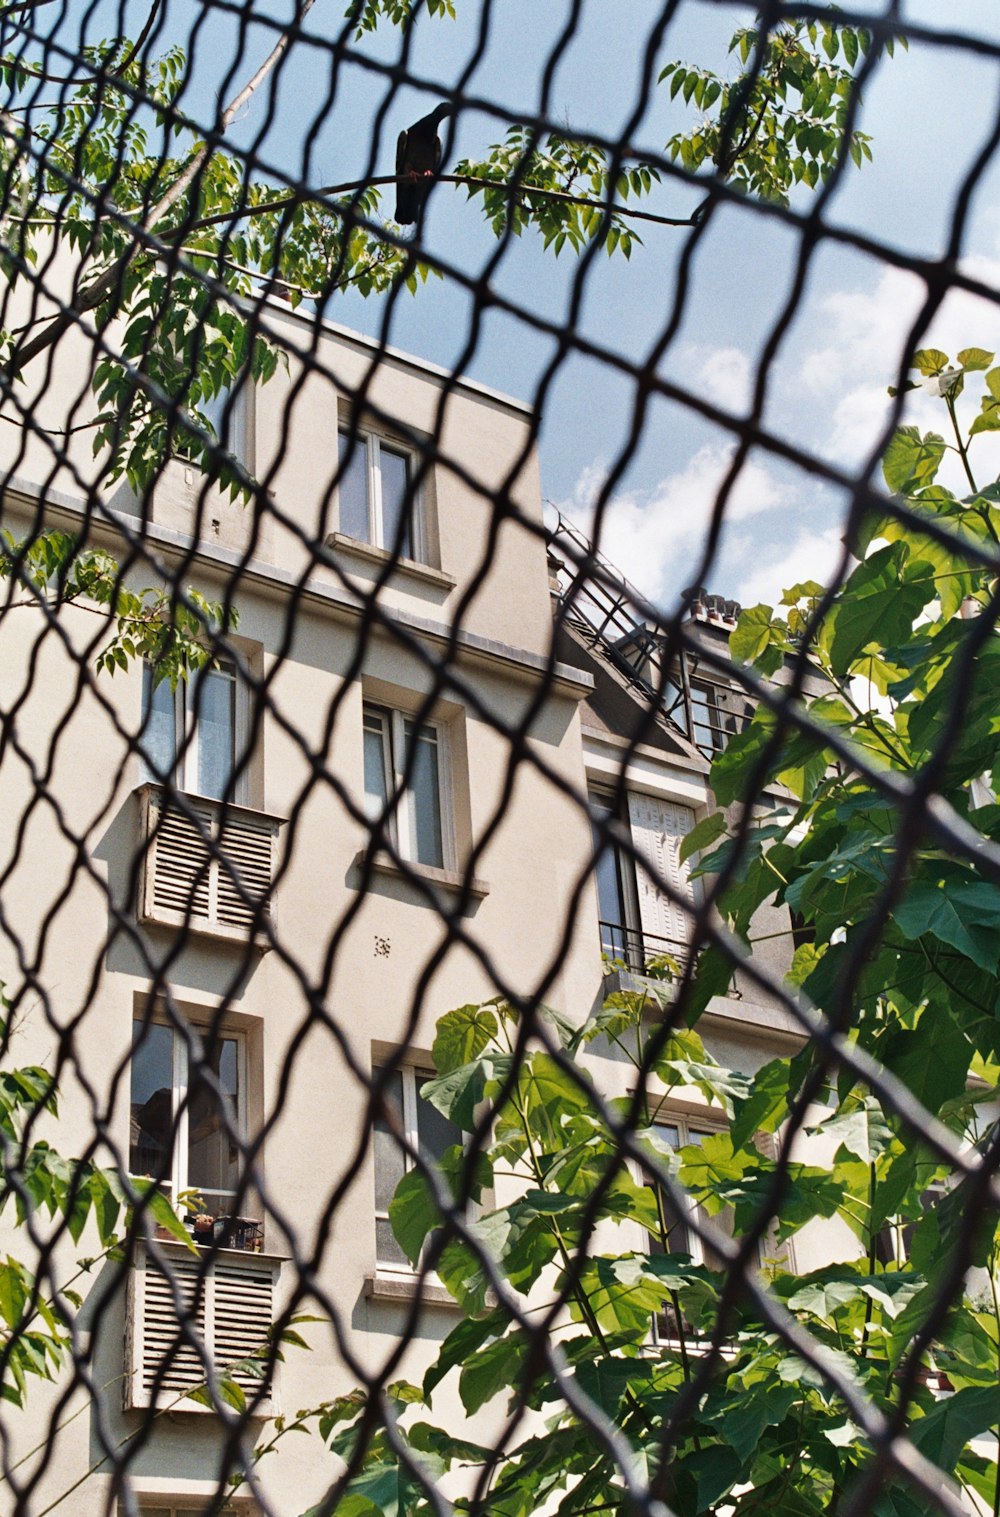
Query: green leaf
[(461, 1036), (492, 1369), (930, 361), (702, 835), (413, 1213), (972, 359), (752, 634), (962, 913), (910, 460), (943, 1432), (878, 606), (862, 1130), (462, 1343)]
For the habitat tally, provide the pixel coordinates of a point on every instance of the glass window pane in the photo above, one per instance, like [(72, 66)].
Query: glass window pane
[(353, 488), (213, 1153), (151, 1116), (389, 1159), (424, 797), (376, 775), (387, 1250), (434, 1130), (395, 471), (159, 734), (214, 697)]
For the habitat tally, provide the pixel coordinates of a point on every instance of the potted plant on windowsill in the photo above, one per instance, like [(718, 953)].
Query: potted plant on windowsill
[(203, 1228)]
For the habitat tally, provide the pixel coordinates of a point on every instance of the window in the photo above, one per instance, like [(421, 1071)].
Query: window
[(405, 763), (678, 1237), (228, 416), (184, 1131), (894, 1237), (638, 919), (426, 1130), (617, 903), (377, 502), (192, 734), (718, 712)]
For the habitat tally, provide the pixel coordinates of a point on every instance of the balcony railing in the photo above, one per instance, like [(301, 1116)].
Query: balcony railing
[(636, 950), (208, 866)]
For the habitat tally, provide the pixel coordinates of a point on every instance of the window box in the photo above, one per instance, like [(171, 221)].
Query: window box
[(208, 866), (227, 1308)]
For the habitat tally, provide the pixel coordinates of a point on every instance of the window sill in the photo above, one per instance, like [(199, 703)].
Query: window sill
[(382, 1285), (447, 879), (353, 547), (386, 1287)]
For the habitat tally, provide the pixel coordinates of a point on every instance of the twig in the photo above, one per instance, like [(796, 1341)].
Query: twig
[(298, 198), (103, 286)]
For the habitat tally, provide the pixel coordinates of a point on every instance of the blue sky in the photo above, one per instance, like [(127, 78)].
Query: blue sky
[(928, 112)]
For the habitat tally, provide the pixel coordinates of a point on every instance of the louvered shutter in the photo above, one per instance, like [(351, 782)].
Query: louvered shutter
[(244, 1311), (244, 870), (658, 828), (180, 860), (208, 866), (229, 1308)]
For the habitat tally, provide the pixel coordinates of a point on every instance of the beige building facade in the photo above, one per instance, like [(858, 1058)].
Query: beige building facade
[(392, 758)]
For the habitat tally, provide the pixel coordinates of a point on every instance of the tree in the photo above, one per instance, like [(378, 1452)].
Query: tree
[(729, 1382), (169, 236)]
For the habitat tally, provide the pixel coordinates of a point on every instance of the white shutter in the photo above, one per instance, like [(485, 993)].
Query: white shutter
[(211, 875), (180, 860), (244, 875), (658, 828), (228, 1308)]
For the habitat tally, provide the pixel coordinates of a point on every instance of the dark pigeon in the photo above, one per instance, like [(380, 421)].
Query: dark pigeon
[(418, 158)]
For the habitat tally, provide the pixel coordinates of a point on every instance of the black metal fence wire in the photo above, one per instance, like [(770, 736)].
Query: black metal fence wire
[(152, 234)]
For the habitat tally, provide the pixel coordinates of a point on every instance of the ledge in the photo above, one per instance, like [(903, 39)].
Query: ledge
[(524, 664), (447, 879), (408, 568), (403, 1288)]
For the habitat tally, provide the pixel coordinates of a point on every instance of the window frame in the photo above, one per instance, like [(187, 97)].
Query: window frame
[(412, 1073), (686, 1124), (178, 1179), (373, 442), (630, 927), (399, 808), (186, 698)]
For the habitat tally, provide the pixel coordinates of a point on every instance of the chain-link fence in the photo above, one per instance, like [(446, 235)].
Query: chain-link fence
[(477, 1038)]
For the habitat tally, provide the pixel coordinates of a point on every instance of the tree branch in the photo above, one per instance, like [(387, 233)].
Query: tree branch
[(103, 286), (296, 197)]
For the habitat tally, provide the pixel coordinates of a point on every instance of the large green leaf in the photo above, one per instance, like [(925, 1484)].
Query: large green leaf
[(461, 1036), (943, 1432), (877, 607), (462, 1342), (962, 912), (911, 460)]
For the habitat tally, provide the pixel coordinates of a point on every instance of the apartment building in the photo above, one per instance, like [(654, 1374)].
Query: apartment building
[(229, 905)]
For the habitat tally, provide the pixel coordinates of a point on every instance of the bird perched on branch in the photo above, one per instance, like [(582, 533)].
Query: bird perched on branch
[(418, 158)]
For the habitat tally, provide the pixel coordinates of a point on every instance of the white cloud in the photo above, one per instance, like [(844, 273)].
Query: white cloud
[(655, 537), (721, 374), (812, 555)]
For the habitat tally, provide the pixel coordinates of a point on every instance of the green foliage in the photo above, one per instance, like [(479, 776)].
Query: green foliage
[(782, 121), (604, 1244), (60, 1198), (173, 633)]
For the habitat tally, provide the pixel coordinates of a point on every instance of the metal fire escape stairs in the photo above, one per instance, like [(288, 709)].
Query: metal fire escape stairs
[(599, 605)]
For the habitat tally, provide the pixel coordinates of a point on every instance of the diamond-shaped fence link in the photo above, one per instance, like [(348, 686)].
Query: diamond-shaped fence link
[(398, 1114)]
